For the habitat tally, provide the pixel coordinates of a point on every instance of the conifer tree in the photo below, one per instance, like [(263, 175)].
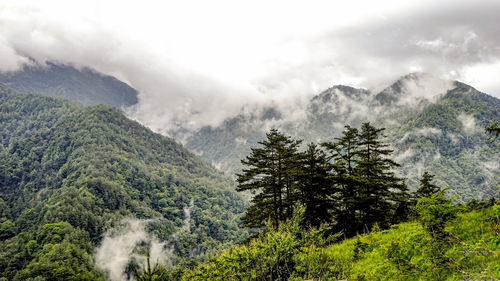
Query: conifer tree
[(343, 160), (271, 175), (368, 192), (426, 188), (383, 197), (316, 193)]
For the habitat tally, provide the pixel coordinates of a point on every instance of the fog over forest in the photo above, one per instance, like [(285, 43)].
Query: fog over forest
[(195, 64)]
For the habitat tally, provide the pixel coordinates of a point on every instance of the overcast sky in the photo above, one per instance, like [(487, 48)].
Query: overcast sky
[(201, 61)]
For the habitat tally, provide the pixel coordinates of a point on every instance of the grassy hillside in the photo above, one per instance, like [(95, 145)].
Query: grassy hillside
[(70, 174), (469, 249)]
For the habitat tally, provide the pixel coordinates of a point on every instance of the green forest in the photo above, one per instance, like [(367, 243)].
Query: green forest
[(70, 173), (337, 212), (71, 176)]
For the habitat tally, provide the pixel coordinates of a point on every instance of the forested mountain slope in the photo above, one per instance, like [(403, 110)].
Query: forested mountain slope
[(71, 176), (84, 85), (448, 138), (431, 124)]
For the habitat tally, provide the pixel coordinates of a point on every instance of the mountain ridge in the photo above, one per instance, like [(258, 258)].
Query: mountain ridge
[(419, 106), (85, 85)]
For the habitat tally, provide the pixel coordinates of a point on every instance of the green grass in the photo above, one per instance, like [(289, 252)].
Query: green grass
[(404, 252)]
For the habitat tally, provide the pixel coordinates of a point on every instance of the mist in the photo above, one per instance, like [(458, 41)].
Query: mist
[(196, 67), (129, 242), (117, 249)]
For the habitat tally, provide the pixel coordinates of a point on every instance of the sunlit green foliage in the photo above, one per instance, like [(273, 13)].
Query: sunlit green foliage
[(406, 251)]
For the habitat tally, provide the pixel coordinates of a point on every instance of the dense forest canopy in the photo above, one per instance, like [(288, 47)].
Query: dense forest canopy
[(69, 174), (87, 194)]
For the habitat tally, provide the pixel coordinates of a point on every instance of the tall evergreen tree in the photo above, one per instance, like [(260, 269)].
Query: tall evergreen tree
[(271, 175), (368, 192), (383, 197), (316, 193), (426, 188), (344, 156)]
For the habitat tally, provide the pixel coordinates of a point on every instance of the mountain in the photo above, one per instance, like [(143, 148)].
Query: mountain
[(86, 192), (84, 85), (432, 124)]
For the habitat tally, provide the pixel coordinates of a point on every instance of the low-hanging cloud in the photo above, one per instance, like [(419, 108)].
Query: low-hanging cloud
[(117, 249), (192, 72), (468, 123), (119, 245)]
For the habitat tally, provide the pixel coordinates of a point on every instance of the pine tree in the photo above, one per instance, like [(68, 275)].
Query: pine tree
[(344, 157), (426, 188), (383, 197), (271, 175), (316, 191), (368, 192)]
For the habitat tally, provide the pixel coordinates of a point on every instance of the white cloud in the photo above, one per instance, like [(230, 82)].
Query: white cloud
[(117, 249), (468, 123), (240, 141), (428, 131), (435, 45), (203, 61), (484, 76), (454, 138), (404, 155), (492, 165)]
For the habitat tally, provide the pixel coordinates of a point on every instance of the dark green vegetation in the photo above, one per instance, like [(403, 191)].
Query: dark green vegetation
[(493, 129), (426, 188), (272, 177), (443, 134), (351, 186), (69, 173), (82, 85)]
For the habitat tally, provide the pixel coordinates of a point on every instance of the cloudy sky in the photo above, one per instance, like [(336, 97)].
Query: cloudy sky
[(200, 61)]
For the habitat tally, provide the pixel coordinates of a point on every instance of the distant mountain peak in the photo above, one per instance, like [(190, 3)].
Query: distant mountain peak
[(414, 86), (416, 75), (332, 93), (84, 85)]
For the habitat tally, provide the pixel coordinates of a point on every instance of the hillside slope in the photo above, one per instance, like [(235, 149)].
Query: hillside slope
[(72, 176), (469, 250), (85, 85)]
